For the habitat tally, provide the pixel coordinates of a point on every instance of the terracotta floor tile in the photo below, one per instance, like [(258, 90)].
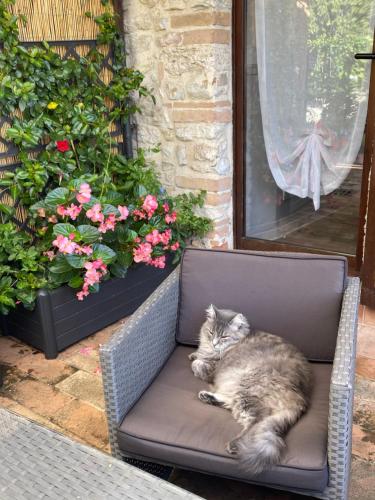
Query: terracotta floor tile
[(39, 397), (362, 484), (104, 335), (364, 429), (369, 316), (37, 366), (84, 386), (365, 367), (86, 360), (364, 389), (11, 350), (366, 341), (85, 421), (361, 313), (73, 350), (10, 375)]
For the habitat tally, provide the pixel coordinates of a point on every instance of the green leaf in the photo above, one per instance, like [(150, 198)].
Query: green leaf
[(124, 259), (76, 282), (89, 234), (76, 261), (58, 196), (141, 190), (145, 229), (118, 270), (106, 254), (114, 198), (110, 209), (60, 265), (6, 209), (64, 229)]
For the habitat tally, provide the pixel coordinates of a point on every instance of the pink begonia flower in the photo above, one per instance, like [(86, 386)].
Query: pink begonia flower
[(73, 211), (60, 210), (124, 212), (150, 205), (138, 214), (108, 225), (175, 246), (137, 239), (84, 195), (52, 219), (166, 207), (142, 253), (153, 238), (86, 250), (169, 218), (41, 212), (50, 254), (64, 244), (166, 236), (158, 262), (98, 370), (94, 213), (94, 272), (86, 351)]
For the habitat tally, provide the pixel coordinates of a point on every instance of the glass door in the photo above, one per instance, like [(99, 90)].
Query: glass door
[(300, 122)]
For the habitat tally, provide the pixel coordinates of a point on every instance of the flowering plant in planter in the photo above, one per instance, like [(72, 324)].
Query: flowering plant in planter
[(91, 211)]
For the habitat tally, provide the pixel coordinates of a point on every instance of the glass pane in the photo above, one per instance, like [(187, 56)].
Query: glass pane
[(272, 213)]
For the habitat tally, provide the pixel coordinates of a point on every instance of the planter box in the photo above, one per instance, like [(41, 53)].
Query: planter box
[(59, 319)]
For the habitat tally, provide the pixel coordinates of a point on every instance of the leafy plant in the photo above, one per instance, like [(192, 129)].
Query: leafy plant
[(93, 211)]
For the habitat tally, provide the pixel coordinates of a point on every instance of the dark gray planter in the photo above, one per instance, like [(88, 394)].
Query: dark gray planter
[(59, 319)]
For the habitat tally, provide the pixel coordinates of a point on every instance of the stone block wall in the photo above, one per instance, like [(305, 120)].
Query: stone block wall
[(184, 49)]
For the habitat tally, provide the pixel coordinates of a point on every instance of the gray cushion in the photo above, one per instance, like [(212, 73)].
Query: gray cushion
[(169, 424), (296, 296)]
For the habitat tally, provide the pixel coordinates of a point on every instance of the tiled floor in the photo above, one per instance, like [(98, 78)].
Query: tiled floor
[(66, 395)]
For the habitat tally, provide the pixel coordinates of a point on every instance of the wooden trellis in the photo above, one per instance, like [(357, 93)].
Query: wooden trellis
[(65, 27)]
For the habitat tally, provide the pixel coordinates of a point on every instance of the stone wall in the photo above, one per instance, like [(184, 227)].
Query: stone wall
[(184, 49)]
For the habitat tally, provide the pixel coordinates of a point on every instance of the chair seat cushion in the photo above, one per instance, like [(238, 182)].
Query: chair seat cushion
[(170, 425)]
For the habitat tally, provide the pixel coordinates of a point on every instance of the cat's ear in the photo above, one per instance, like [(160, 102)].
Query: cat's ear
[(211, 312), (239, 322)]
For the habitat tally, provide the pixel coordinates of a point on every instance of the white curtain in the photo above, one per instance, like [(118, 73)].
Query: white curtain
[(313, 92)]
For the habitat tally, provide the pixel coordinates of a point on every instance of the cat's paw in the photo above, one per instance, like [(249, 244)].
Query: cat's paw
[(232, 447), (192, 356), (207, 397)]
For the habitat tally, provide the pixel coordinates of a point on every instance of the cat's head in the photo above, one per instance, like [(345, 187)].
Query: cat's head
[(225, 328)]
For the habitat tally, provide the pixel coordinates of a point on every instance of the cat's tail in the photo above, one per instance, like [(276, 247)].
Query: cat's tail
[(261, 447)]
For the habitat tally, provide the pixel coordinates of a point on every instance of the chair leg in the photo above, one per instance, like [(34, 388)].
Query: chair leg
[(158, 470)]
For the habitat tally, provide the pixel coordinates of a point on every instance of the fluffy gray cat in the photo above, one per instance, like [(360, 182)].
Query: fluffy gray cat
[(262, 379)]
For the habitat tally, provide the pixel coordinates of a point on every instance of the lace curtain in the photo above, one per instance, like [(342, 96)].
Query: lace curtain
[(313, 92)]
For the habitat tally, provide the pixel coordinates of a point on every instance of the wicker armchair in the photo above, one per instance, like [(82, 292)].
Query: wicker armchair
[(151, 395)]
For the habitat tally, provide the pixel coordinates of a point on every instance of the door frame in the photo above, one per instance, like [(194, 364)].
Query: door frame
[(367, 204)]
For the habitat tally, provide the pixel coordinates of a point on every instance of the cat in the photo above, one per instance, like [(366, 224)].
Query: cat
[(262, 379)]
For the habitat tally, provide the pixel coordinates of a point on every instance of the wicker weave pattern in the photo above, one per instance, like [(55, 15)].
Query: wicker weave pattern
[(119, 400), (38, 463), (136, 353)]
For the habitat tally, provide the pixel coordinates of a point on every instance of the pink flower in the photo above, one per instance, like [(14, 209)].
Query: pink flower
[(86, 250), (50, 254), (94, 213), (175, 246), (150, 204), (108, 225), (73, 211), (124, 212), (153, 238), (64, 244), (158, 262), (142, 253), (52, 219), (166, 236), (138, 214), (169, 218), (61, 210), (84, 195), (82, 294), (166, 207), (41, 212)]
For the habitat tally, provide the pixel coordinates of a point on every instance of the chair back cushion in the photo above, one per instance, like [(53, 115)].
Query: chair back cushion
[(297, 296)]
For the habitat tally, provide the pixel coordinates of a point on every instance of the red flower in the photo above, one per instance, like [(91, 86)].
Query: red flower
[(63, 146)]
